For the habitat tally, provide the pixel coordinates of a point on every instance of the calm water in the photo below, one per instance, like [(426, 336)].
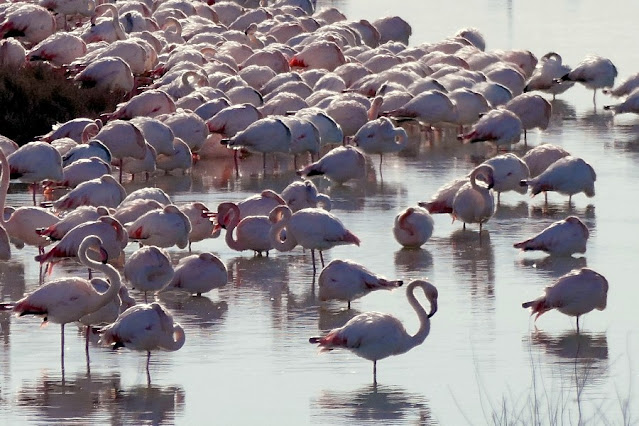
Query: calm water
[(247, 357)]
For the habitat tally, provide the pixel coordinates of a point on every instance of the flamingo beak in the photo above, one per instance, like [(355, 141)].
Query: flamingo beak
[(433, 309), (104, 256)]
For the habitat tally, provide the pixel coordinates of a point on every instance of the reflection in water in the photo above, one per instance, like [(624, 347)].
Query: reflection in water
[(330, 318), (199, 311), (561, 210), (379, 403), (507, 211), (413, 261), (474, 263), (147, 405), (12, 281), (78, 398), (555, 266)]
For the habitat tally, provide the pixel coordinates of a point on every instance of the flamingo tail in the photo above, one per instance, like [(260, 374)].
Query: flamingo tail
[(383, 284), (538, 306), (435, 207)]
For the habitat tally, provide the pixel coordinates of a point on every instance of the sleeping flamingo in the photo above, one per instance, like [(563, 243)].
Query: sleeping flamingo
[(474, 203), (562, 238), (346, 280), (311, 228), (413, 227), (542, 156), (500, 126), (199, 273), (380, 136), (340, 165), (103, 191), (162, 228), (145, 327), (574, 294), (77, 217), (252, 232), (374, 335), (508, 171), (532, 109), (302, 194), (260, 204), (69, 299), (34, 162), (148, 269)]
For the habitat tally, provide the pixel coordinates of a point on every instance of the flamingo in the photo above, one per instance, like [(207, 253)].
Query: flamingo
[(69, 299), (340, 164), (263, 136), (199, 273), (549, 69), (34, 162), (568, 175), (375, 335), (393, 28), (330, 131), (123, 140), (630, 104), (252, 232), (110, 73), (442, 200), (574, 294), (103, 191), (311, 228), (126, 213), (302, 194), (201, 225), (71, 8), (30, 22), (147, 165), (189, 127), (156, 194), (305, 137), (628, 86), (413, 227), (260, 204), (182, 158), (319, 55), (148, 269), (12, 54), (509, 171), (93, 148), (470, 105), (594, 72), (58, 49), (22, 223), (83, 170), (474, 36), (156, 133), (562, 238), (500, 126), (5, 244), (533, 111), (541, 157), (162, 228), (150, 103), (380, 136), (108, 229), (430, 108), (144, 327), (107, 29), (76, 217), (474, 203), (346, 280)]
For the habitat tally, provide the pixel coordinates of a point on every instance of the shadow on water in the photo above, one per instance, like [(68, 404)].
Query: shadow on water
[(373, 403), (554, 266), (330, 318), (147, 405), (474, 260), (199, 311)]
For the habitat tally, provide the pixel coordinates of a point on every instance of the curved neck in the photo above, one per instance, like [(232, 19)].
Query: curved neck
[(325, 201), (233, 243), (486, 171), (4, 186), (111, 273), (177, 338), (373, 111), (276, 228), (424, 320)]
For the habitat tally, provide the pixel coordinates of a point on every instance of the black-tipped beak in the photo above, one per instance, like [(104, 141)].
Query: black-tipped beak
[(523, 183), (433, 310)]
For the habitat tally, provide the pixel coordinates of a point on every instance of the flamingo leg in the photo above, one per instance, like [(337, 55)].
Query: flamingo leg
[(313, 259), (525, 139), (145, 298), (189, 247), (321, 257), (236, 162), (35, 187), (577, 324), (121, 161), (86, 344), (349, 304), (148, 373), (498, 197), (62, 349), (375, 373), (264, 161)]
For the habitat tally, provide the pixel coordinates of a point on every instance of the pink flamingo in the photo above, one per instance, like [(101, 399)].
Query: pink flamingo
[(500, 126), (144, 327), (201, 225), (35, 162), (260, 204), (302, 194), (148, 269), (77, 217), (162, 228), (346, 280), (104, 191), (374, 335), (340, 164), (562, 238), (252, 232), (413, 227), (594, 72), (199, 273), (474, 203), (314, 229), (69, 299), (568, 175), (574, 294)]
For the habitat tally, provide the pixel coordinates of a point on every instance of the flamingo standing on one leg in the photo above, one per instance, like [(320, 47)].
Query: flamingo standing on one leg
[(199, 273), (35, 162), (374, 335), (69, 299), (149, 269)]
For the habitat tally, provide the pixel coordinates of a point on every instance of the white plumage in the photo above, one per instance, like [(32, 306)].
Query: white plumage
[(199, 273), (562, 238)]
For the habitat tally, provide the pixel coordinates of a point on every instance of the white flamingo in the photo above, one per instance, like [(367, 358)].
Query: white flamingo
[(574, 294), (340, 165), (252, 232), (34, 162), (568, 175), (549, 69), (260, 204), (148, 193), (541, 157), (93, 148), (58, 49), (268, 135), (150, 103), (31, 22), (380, 136), (319, 55), (126, 213), (104, 191), (144, 327), (630, 104), (148, 269), (562, 238), (508, 171), (594, 72), (199, 273), (302, 194), (347, 280), (628, 86), (69, 299), (413, 227), (500, 126), (312, 228), (76, 217), (181, 159), (474, 203), (83, 170), (201, 225), (374, 335), (431, 107), (123, 140), (110, 73), (162, 228)]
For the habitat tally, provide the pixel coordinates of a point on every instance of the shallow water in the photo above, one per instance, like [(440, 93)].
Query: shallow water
[(247, 358)]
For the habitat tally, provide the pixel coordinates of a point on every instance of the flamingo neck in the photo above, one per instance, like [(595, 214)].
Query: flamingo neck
[(276, 228), (401, 138), (112, 274), (424, 320), (324, 201), (233, 243), (177, 338)]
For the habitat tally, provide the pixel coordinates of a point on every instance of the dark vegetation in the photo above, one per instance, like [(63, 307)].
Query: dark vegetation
[(35, 97)]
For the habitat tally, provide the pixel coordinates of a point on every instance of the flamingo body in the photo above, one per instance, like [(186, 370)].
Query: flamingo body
[(199, 273), (340, 165), (562, 238), (568, 175), (162, 228), (413, 227)]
